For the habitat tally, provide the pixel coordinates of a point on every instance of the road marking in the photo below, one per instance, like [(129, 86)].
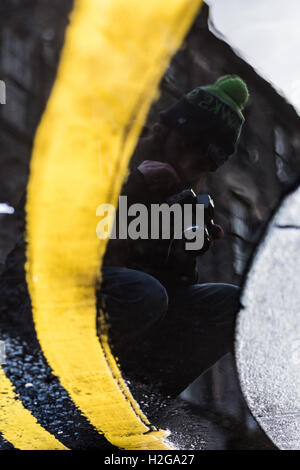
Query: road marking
[(106, 82), (18, 425)]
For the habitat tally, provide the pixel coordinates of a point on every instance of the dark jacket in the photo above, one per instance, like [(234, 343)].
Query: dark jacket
[(150, 256)]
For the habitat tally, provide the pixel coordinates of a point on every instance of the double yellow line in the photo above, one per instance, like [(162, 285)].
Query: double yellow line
[(114, 56), (17, 424)]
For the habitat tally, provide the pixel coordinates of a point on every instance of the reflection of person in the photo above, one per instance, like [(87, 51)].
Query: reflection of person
[(165, 327)]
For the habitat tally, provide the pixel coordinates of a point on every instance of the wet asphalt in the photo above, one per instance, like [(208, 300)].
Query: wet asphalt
[(192, 428)]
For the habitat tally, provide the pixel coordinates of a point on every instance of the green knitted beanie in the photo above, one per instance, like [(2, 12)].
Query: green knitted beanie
[(231, 89), (211, 113)]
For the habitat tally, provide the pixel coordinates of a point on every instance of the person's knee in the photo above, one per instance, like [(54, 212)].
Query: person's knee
[(233, 294), (154, 297), (145, 309), (229, 301), (236, 296), (134, 295)]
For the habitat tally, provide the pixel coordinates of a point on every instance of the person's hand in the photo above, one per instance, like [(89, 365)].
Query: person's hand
[(216, 232), (160, 176)]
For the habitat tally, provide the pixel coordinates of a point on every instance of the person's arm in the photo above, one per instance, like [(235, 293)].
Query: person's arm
[(135, 188), (152, 181)]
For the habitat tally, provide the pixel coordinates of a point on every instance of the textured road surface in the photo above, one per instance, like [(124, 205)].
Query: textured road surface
[(40, 391)]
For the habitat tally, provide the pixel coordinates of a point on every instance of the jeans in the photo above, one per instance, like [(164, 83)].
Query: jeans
[(167, 339)]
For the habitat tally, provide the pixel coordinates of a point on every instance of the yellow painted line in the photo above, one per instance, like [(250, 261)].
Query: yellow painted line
[(18, 425), (114, 56)]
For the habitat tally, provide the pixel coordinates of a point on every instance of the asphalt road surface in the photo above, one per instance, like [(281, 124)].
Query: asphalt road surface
[(41, 393)]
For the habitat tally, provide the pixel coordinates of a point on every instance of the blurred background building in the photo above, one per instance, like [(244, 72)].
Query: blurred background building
[(31, 36), (246, 190)]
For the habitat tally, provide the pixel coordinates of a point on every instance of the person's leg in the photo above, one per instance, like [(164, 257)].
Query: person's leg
[(133, 300), (197, 331)]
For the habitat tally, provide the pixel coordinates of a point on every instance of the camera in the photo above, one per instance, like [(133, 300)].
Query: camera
[(190, 198)]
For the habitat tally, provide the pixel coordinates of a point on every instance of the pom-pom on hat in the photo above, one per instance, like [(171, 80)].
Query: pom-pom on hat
[(211, 113), (231, 89)]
